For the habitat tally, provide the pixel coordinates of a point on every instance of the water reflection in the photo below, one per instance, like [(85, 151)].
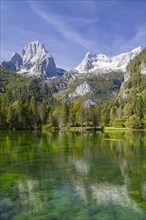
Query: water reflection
[(73, 176)]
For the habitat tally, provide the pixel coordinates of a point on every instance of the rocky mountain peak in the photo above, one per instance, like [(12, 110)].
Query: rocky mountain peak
[(33, 60), (34, 48)]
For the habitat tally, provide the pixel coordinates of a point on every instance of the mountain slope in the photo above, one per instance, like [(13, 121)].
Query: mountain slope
[(15, 86), (95, 86), (33, 60), (129, 108)]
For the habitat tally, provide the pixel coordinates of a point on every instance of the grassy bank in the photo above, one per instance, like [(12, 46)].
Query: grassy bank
[(124, 129)]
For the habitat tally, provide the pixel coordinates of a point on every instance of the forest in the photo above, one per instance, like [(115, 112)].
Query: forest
[(26, 103)]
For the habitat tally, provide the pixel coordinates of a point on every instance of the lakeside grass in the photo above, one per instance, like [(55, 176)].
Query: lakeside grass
[(124, 129)]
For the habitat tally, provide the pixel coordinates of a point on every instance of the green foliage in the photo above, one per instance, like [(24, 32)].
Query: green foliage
[(134, 122), (26, 103), (47, 127), (130, 110), (104, 86), (117, 123)]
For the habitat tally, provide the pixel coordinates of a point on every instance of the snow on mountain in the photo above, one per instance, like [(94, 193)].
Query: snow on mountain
[(34, 52), (93, 62), (34, 59)]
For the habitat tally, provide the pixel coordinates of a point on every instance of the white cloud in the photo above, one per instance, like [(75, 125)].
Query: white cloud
[(64, 25)]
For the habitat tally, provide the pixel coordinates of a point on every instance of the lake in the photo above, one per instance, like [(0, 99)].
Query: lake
[(73, 176)]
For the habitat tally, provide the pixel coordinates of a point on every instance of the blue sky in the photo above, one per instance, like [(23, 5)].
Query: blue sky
[(69, 29)]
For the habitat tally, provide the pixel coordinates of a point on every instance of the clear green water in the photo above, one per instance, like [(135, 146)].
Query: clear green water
[(73, 176)]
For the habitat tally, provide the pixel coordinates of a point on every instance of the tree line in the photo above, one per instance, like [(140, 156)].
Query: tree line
[(26, 103), (33, 114)]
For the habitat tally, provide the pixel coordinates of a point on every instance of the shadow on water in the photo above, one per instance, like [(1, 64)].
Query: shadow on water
[(73, 176)]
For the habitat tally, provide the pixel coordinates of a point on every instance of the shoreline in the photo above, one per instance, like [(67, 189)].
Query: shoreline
[(77, 129)]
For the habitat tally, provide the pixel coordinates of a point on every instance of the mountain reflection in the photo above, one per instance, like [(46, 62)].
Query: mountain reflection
[(57, 175)]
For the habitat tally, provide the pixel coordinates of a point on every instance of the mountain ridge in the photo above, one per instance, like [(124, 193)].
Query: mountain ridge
[(35, 60), (92, 62)]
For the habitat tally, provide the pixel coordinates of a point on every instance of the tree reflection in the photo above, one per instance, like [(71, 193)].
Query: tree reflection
[(90, 174)]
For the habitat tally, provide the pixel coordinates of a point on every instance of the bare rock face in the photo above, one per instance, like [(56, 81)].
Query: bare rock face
[(33, 60), (81, 90), (143, 69), (88, 103)]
